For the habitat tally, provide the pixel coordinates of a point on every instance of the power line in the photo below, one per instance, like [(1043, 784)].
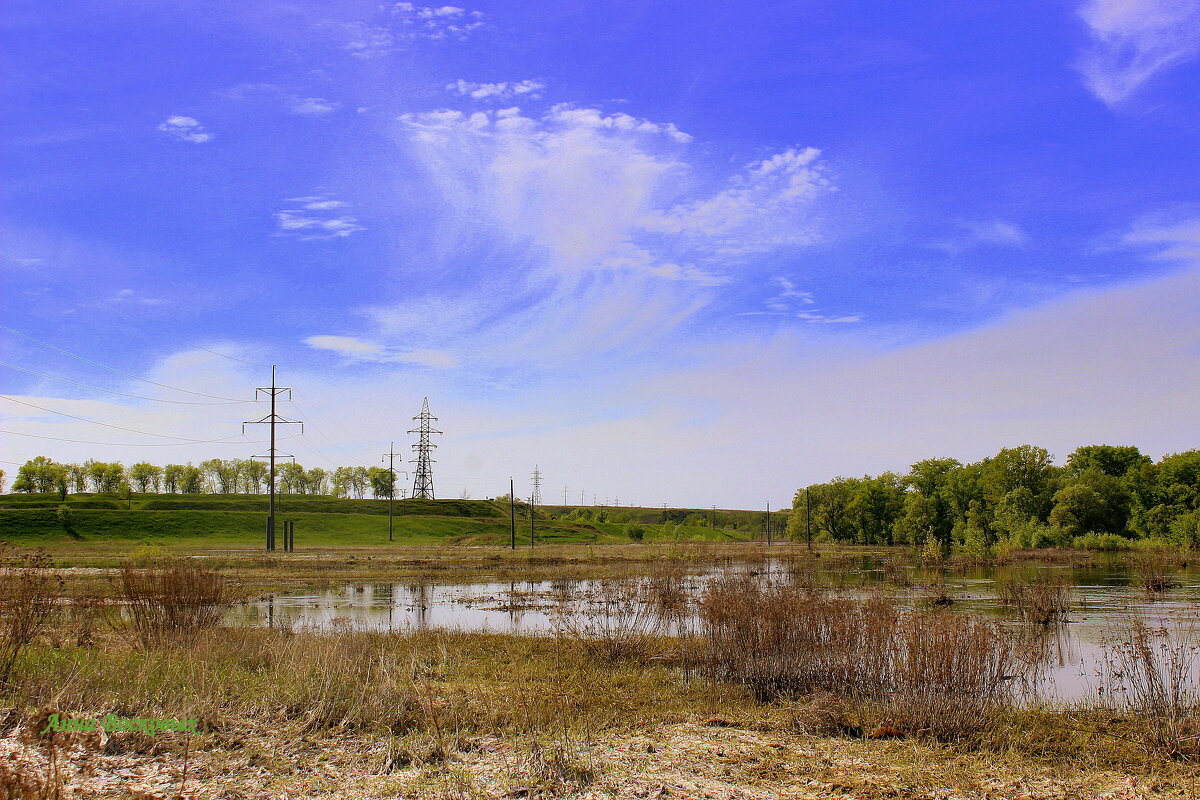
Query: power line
[(326, 438), (114, 369), (227, 440), (102, 304), (123, 394), (95, 422)]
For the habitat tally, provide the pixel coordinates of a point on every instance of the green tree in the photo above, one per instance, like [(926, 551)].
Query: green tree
[(290, 477), (41, 474), (1026, 467), (223, 474), (191, 480), (254, 475), (145, 477), (876, 505), (342, 478), (928, 513), (831, 508), (317, 481), (1109, 459), (77, 477), (383, 482)]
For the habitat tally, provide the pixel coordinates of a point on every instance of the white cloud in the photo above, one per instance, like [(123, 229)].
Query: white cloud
[(312, 106), (409, 22), (1133, 40), (437, 22), (185, 129), (349, 346), (317, 218), (615, 233), (985, 233), (131, 296), (763, 208), (356, 349), (503, 89), (1174, 237)]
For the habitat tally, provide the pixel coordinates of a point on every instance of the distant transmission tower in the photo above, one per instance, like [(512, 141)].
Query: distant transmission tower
[(537, 485), (423, 483)]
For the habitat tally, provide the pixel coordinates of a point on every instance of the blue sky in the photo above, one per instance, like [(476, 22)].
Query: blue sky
[(670, 252)]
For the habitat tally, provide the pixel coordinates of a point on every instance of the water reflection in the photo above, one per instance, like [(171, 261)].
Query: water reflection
[(1103, 599)]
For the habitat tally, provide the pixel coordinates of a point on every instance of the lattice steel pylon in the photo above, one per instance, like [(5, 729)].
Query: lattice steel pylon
[(537, 485), (423, 482)]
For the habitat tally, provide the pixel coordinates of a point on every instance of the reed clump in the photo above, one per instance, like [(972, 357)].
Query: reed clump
[(939, 675), (29, 591), (1041, 601), (1151, 673), (1154, 574), (173, 600)]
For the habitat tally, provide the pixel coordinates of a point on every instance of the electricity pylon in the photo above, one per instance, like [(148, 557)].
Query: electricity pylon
[(423, 484)]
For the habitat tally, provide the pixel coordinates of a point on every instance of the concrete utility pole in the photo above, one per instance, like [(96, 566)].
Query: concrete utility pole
[(512, 515), (390, 457), (272, 419)]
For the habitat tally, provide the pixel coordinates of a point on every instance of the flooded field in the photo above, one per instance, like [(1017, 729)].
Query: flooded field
[(1101, 600)]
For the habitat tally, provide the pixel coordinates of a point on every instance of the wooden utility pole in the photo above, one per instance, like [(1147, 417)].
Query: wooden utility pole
[(807, 519)]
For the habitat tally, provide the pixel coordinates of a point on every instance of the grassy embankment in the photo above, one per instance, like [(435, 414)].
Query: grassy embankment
[(236, 521)]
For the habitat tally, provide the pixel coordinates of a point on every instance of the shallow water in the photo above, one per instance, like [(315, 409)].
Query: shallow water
[(1104, 600)]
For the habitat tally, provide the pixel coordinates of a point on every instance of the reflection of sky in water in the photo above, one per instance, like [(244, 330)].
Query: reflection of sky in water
[(1104, 599)]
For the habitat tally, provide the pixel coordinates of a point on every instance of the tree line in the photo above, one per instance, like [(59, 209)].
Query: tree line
[(216, 476), (1104, 496)]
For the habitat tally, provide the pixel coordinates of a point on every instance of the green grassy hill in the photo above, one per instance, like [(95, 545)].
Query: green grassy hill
[(234, 521)]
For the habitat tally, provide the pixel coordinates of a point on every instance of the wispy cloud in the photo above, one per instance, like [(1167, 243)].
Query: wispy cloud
[(312, 106), (793, 302), (502, 90), (1174, 235), (356, 349), (317, 218), (1133, 40), (185, 129), (985, 233), (131, 296), (274, 94), (622, 237)]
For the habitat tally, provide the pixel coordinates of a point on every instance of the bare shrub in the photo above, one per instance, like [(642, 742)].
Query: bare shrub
[(1041, 601), (1154, 574), (28, 595), (619, 626), (933, 674), (173, 601), (1152, 673)]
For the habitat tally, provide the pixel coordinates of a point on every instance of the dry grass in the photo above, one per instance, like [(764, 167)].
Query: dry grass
[(932, 674), (28, 595), (174, 600), (1151, 672)]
